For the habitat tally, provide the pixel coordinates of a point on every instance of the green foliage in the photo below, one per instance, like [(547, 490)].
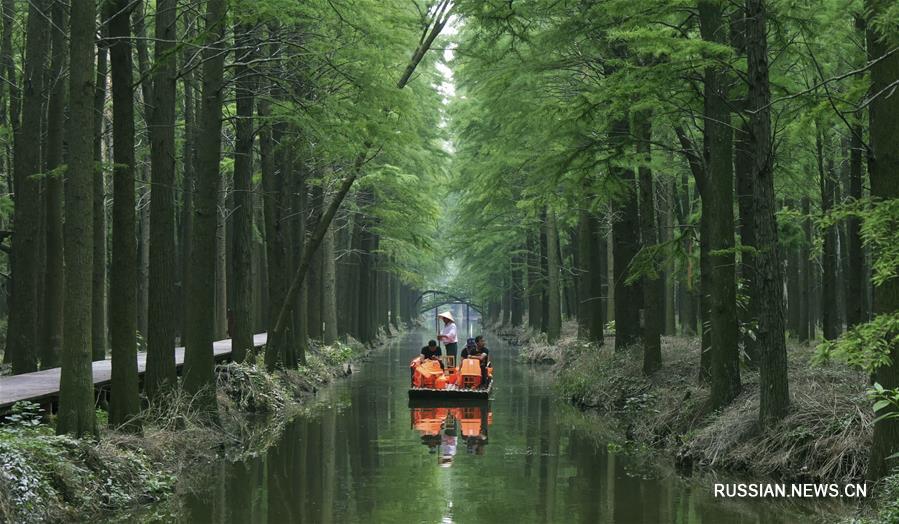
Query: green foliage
[(252, 388), (886, 503), (24, 414), (43, 475), (866, 346), (883, 399), (879, 231)]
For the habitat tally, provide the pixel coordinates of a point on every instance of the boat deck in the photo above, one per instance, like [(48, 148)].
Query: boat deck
[(432, 393)]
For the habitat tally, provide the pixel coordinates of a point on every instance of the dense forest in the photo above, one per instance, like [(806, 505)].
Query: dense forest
[(183, 172), (177, 170), (724, 169)]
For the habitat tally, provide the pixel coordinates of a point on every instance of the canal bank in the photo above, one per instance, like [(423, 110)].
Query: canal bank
[(45, 477), (366, 455), (825, 439)]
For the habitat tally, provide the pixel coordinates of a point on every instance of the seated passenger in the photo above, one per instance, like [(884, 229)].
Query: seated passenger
[(479, 352), (432, 352)]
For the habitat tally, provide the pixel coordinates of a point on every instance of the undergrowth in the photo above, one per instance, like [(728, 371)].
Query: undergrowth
[(45, 477), (826, 436)]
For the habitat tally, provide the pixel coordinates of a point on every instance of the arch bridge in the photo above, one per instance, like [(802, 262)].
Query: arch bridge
[(436, 299)]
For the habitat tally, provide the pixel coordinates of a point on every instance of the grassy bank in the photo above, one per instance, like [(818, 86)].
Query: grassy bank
[(825, 438), (44, 477)]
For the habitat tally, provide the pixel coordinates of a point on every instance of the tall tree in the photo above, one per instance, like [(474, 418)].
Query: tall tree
[(329, 284), (535, 281), (242, 218), (806, 319), (829, 305), (21, 341), (883, 165), (123, 275), (583, 265), (76, 388), (9, 98), (652, 284), (99, 332), (51, 345), (774, 395), (554, 325), (717, 206), (625, 235), (855, 293), (161, 315), (198, 356)]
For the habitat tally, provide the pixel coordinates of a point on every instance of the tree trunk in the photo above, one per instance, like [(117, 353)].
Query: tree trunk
[(829, 313), (610, 274), (124, 402), (554, 324), (242, 218), (774, 393), (717, 199), (806, 319), (883, 164), (329, 283), (53, 287), (544, 273), (705, 298), (652, 284), (198, 357), (313, 287), (667, 236), (793, 283), (535, 282), (582, 266), (143, 180), (9, 98), (275, 233), (354, 289), (160, 374), (855, 275), (625, 232), (297, 225), (517, 288), (366, 272), (687, 285), (599, 281), (21, 341), (746, 181), (76, 388), (143, 251), (99, 284), (189, 176), (220, 321)]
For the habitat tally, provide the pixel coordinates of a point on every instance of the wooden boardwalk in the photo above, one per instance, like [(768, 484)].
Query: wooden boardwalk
[(43, 386)]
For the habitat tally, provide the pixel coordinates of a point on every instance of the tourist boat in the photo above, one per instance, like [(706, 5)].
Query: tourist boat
[(430, 381)]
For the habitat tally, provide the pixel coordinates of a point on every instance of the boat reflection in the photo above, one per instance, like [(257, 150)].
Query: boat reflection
[(444, 427)]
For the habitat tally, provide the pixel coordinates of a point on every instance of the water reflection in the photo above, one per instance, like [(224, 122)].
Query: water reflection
[(369, 456), (443, 428)]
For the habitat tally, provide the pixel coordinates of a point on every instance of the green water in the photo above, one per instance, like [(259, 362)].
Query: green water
[(369, 457)]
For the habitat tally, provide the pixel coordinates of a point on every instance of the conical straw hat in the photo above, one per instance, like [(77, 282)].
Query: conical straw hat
[(447, 315)]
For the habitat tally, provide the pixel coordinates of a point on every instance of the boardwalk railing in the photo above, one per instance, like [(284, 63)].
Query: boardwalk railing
[(43, 386)]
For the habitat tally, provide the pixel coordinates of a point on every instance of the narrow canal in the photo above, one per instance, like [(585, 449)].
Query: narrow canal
[(366, 456)]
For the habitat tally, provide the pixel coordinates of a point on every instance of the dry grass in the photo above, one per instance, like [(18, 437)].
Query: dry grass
[(826, 436)]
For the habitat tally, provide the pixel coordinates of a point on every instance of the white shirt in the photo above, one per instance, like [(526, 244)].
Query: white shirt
[(449, 331)]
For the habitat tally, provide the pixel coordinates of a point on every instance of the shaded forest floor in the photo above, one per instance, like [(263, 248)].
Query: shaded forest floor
[(825, 438), (45, 477)]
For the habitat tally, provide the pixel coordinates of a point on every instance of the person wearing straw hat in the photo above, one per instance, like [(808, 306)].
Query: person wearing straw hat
[(448, 334)]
